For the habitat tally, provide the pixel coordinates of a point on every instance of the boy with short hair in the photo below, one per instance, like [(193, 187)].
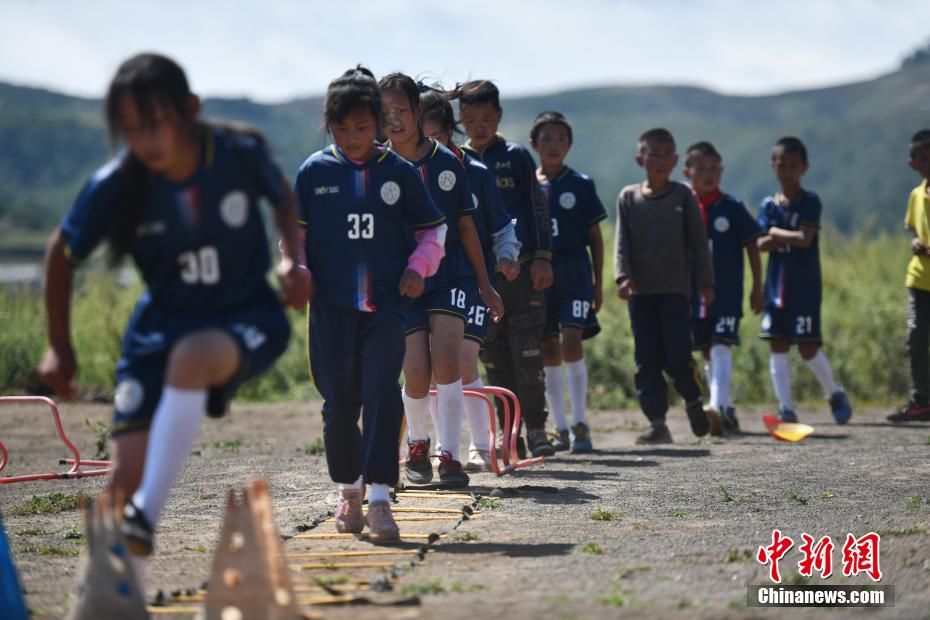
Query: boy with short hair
[(790, 220), (730, 229), (660, 242), (918, 285)]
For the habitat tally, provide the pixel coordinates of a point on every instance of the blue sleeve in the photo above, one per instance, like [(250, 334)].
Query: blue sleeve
[(497, 215), (419, 208), (467, 204), (268, 173), (809, 214), (594, 210), (86, 223), (747, 228), (764, 222), (303, 194)]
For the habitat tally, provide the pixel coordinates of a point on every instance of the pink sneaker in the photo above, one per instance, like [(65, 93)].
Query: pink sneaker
[(349, 518), (381, 525)]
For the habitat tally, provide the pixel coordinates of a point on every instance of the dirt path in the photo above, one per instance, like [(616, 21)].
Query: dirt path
[(686, 519)]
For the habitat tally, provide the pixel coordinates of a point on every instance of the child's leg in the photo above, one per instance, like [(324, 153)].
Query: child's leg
[(496, 357), (576, 373), (476, 412), (708, 369), (417, 373), (446, 335), (675, 329), (918, 340), (649, 354), (780, 368), (527, 311), (552, 365), (721, 371), (819, 365)]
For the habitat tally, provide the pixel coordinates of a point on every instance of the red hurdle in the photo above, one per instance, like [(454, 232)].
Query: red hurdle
[(76, 462)]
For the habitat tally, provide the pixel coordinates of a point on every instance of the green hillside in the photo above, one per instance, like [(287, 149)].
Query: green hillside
[(857, 135)]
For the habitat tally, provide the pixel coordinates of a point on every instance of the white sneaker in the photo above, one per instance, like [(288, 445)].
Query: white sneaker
[(478, 460)]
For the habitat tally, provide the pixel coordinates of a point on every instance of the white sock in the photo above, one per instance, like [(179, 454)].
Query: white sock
[(781, 379), (576, 373), (434, 416), (417, 412), (174, 430), (450, 416), (821, 369), (554, 397), (708, 373), (476, 412), (379, 493), (721, 364), (137, 565), (352, 486)]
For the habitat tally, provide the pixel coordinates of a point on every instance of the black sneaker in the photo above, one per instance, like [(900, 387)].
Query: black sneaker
[(697, 417), (714, 420), (538, 441), (730, 421), (655, 435), (911, 412), (560, 440), (521, 448), (417, 467), (451, 474), (138, 532)]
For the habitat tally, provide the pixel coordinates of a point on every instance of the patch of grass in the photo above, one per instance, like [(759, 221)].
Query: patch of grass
[(725, 492), (466, 537), (684, 604), (434, 587), (72, 533), (914, 503), (639, 526), (827, 495), (101, 432), (315, 447), (489, 503), (677, 513), (740, 555), (795, 495), (228, 445), (592, 548), (910, 562), (917, 530), (49, 504), (559, 599), (68, 552), (629, 571), (458, 587), (616, 598), (333, 580), (605, 515), (200, 549), (31, 531)]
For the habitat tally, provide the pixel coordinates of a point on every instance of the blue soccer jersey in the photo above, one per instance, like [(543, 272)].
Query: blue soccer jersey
[(515, 170), (360, 220), (574, 207), (729, 228), (199, 244), (792, 278), (491, 216)]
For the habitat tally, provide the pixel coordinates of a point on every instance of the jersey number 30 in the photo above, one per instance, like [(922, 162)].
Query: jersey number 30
[(201, 266), (361, 225)]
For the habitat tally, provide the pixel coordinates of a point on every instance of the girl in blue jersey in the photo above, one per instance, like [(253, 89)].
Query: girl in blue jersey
[(575, 296), (499, 244), (182, 200), (436, 322), (373, 235)]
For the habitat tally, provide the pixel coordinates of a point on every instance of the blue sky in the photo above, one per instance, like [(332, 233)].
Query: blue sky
[(280, 49)]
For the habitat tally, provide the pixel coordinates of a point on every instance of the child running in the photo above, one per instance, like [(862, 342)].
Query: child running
[(436, 321), (917, 282), (498, 241), (182, 199), (576, 295), (730, 228), (790, 221), (512, 348), (359, 203)]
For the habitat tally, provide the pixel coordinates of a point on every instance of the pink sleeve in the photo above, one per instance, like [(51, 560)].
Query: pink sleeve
[(431, 247)]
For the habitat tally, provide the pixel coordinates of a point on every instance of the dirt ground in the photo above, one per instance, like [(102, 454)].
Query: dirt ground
[(686, 519)]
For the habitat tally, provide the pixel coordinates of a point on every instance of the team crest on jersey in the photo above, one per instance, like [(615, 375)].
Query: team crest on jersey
[(446, 180), (129, 395), (235, 208), (390, 192), (474, 199), (567, 200), (722, 224)]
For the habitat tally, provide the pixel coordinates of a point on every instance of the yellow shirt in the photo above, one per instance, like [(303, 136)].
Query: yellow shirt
[(918, 220)]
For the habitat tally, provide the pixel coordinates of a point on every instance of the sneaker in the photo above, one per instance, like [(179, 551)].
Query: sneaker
[(381, 524), (418, 468), (655, 435), (560, 440), (451, 474), (698, 419), (581, 439), (538, 441), (787, 415), (521, 448), (349, 517), (730, 421), (840, 407), (138, 532), (714, 421), (911, 412), (478, 460)]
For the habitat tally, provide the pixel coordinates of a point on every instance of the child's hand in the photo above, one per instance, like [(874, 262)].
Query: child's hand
[(625, 289), (541, 274), (756, 300), (411, 284), (707, 295), (510, 269), (493, 301), (297, 286), (57, 370), (919, 248), (598, 298)]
